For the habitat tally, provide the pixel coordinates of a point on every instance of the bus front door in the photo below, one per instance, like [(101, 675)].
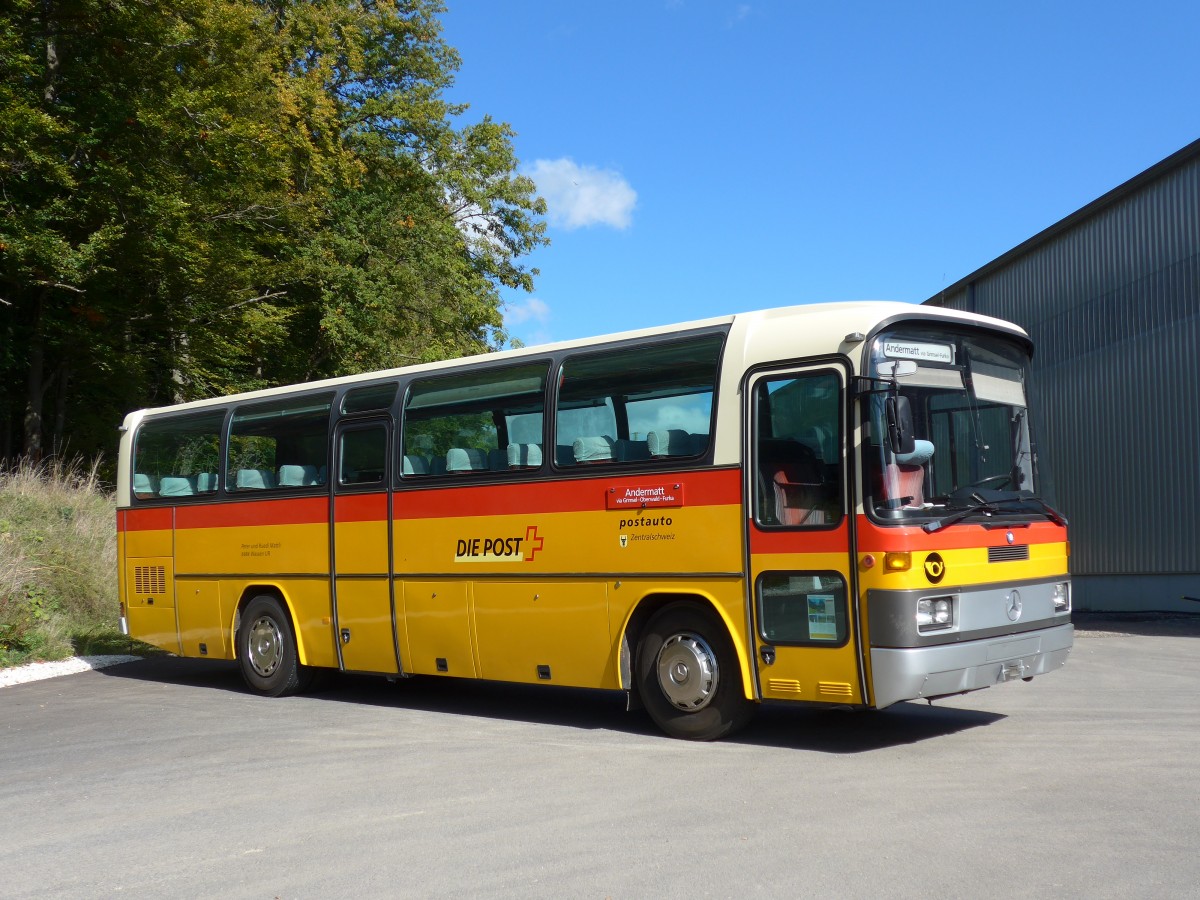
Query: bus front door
[(799, 536), (364, 605)]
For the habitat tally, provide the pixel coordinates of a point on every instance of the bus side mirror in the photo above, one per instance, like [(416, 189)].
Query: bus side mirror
[(900, 424)]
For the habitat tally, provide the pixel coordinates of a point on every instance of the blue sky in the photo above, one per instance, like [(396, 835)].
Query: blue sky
[(702, 157)]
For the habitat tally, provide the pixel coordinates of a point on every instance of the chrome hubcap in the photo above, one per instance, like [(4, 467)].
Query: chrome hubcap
[(687, 671), (265, 647)]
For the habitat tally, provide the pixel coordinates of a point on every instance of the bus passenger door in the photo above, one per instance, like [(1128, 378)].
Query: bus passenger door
[(799, 535), (364, 608)]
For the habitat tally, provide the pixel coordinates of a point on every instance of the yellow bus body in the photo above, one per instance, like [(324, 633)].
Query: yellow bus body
[(550, 577)]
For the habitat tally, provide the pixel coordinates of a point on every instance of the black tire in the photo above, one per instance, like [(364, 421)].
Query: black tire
[(688, 674), (266, 650)]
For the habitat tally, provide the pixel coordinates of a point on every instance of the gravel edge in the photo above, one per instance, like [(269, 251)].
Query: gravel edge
[(40, 670)]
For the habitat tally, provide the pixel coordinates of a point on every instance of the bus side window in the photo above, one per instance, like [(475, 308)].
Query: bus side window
[(363, 455), (177, 457), (279, 444), (465, 424), (652, 404), (797, 454)]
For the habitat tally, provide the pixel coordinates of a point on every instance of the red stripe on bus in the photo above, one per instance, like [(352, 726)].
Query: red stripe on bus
[(156, 519), (361, 508), (836, 540), (721, 487), (959, 536), (300, 511)]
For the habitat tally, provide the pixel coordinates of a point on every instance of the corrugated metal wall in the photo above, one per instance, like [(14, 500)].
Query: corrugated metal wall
[(1112, 302)]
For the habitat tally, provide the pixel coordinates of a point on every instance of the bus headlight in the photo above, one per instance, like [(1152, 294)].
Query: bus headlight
[(1062, 597), (934, 613)]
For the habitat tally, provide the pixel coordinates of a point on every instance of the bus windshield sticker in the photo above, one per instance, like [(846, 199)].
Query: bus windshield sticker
[(822, 618)]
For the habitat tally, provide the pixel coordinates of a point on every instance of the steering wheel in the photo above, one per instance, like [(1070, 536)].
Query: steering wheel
[(997, 480)]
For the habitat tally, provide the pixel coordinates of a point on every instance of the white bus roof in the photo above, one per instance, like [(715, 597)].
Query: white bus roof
[(825, 327)]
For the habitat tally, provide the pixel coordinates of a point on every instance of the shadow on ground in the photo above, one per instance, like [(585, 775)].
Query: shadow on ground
[(835, 731)]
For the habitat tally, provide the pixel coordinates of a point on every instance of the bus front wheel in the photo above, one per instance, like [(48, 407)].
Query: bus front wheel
[(688, 674), (266, 649)]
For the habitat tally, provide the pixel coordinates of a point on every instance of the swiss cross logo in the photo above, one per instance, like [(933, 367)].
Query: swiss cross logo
[(533, 542)]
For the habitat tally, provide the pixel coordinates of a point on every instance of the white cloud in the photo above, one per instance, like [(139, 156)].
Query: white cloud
[(529, 310), (578, 196), (531, 318)]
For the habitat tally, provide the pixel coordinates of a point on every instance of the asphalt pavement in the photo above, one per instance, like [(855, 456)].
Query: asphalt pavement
[(165, 778)]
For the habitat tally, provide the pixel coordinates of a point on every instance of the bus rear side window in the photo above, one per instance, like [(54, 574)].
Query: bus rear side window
[(178, 457)]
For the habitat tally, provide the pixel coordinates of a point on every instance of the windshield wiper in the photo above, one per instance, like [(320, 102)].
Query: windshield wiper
[(990, 506), (1050, 512), (980, 505)]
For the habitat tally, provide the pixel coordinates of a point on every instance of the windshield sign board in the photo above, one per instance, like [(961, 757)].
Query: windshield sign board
[(920, 351)]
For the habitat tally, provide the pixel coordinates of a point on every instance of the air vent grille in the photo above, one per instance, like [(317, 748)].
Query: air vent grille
[(150, 579), (1008, 554), (784, 685), (834, 689)]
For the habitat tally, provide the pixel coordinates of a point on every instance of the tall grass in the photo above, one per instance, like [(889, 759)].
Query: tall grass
[(58, 560)]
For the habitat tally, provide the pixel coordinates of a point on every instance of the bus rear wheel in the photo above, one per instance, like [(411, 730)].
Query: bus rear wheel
[(266, 650), (688, 675)]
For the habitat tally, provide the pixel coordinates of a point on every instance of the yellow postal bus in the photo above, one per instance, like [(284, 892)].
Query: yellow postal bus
[(831, 504)]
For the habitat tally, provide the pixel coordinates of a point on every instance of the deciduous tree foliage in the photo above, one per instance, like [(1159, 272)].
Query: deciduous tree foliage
[(214, 195)]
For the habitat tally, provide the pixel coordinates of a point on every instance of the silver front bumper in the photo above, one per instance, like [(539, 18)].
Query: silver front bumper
[(914, 673)]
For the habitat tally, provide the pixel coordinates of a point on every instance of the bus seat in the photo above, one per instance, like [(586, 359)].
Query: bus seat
[(792, 482), (632, 450), (600, 448), (671, 442), (564, 455), (254, 479), (904, 479), (470, 459), (412, 464), (796, 500), (143, 485), (206, 483), (177, 486), (298, 476), (699, 443), (497, 460), (524, 456)]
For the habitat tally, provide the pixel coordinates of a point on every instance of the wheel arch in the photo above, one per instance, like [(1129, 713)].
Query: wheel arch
[(644, 610), (268, 589)]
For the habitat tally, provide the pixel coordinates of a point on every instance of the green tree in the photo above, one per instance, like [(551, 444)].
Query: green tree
[(214, 195)]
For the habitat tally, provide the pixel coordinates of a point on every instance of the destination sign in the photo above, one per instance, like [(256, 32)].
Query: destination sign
[(918, 350)]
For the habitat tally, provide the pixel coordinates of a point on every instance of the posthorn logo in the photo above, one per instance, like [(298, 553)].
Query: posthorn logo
[(935, 568)]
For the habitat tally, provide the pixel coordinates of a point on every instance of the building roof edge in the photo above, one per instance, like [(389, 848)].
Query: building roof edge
[(1120, 192)]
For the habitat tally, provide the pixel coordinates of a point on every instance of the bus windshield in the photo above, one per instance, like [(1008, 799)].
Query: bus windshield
[(972, 450)]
